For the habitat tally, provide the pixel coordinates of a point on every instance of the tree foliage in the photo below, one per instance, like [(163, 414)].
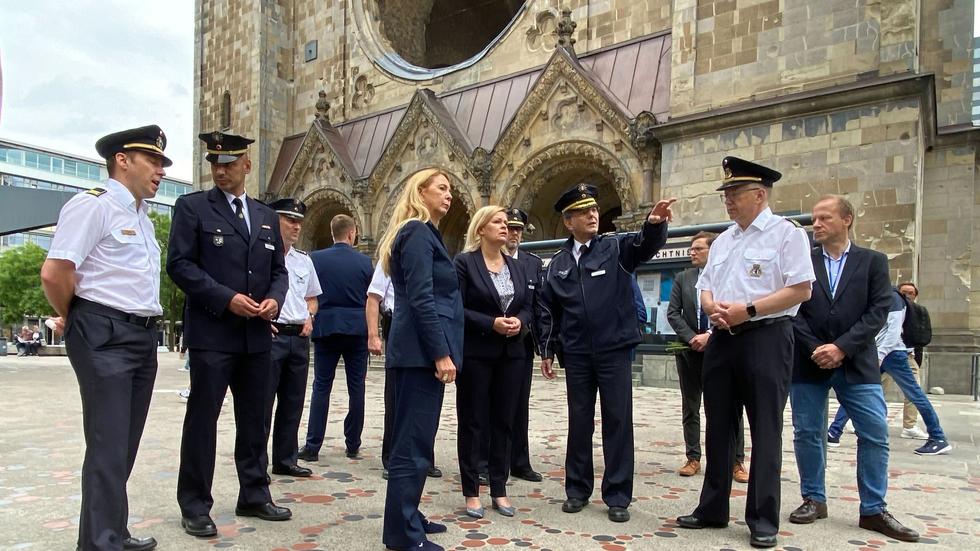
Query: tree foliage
[(20, 283), (171, 297)]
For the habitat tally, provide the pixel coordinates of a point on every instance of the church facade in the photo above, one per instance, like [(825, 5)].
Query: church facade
[(520, 100)]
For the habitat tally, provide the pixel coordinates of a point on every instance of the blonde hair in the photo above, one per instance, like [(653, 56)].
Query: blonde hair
[(480, 219), (410, 206)]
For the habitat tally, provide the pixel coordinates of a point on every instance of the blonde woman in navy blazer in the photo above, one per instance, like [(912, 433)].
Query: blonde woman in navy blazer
[(497, 308), (424, 349)]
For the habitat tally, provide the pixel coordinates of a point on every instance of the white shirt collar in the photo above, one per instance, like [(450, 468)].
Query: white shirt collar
[(231, 197), (847, 249), (121, 194), (761, 222), (514, 256), (577, 246)]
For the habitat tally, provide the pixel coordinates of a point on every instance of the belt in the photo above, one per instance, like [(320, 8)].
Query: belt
[(289, 329), (750, 325), (110, 312)]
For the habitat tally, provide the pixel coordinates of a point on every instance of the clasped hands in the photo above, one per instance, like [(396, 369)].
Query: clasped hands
[(245, 307), (827, 356), (507, 327), (728, 314)]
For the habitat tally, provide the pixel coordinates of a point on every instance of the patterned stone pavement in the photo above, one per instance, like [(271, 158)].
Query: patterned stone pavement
[(340, 507)]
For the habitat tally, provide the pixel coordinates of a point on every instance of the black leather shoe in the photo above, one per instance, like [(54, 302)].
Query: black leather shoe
[(433, 527), (483, 479), (758, 540), (202, 526), (306, 454), (352, 454), (573, 505), (266, 511), (886, 524), (529, 475), (809, 512), (619, 514), (139, 544), (292, 470), (695, 523), (434, 472)]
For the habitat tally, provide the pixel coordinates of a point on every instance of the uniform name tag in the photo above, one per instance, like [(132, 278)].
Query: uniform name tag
[(270, 246), (598, 273), (530, 286), (127, 232)]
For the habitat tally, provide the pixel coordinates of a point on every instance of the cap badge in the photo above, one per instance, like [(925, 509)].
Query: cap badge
[(216, 137), (728, 172), (160, 141), (582, 188)]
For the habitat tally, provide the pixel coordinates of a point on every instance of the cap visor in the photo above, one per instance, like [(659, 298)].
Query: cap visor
[(221, 159), (290, 214)]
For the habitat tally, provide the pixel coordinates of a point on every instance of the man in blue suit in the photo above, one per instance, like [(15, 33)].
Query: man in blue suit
[(339, 330), (226, 254)]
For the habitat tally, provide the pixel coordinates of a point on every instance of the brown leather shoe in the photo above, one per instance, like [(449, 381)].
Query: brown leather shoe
[(809, 512), (886, 524), (691, 468), (740, 474)]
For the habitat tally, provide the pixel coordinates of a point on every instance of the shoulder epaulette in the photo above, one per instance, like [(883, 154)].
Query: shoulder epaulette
[(193, 193), (97, 191), (794, 222), (607, 234), (301, 251), (529, 253)]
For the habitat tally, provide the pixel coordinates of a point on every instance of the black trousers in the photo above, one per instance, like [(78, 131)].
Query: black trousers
[(751, 369), (520, 454), (418, 405), (388, 435), (212, 373), (689, 376), (115, 363), (287, 391), (486, 405), (609, 373)]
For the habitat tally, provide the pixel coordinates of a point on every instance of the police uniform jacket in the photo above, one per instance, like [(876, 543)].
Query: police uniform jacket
[(345, 275), (588, 307), (850, 318), (427, 323), (533, 272), (481, 306), (211, 259)]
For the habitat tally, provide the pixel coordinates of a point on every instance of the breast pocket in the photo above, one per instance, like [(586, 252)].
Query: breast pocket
[(759, 264), (216, 232), (267, 240)]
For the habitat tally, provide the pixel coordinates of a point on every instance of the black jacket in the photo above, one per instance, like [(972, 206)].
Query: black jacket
[(588, 307), (211, 260), (481, 305), (850, 320)]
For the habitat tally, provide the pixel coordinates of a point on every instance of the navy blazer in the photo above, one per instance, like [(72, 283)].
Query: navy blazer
[(211, 259), (850, 319), (344, 275), (533, 272), (481, 305), (427, 323)]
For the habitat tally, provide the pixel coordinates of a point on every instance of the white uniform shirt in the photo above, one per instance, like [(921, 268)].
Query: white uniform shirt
[(745, 266), (577, 249), (231, 198), (114, 249), (381, 286), (303, 284)]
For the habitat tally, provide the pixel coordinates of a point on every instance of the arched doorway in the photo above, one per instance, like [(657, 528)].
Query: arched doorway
[(548, 223), (321, 207)]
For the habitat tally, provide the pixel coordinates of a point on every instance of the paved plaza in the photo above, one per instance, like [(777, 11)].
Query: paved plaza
[(341, 506)]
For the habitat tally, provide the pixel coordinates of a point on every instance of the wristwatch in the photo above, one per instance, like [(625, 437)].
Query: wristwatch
[(750, 310)]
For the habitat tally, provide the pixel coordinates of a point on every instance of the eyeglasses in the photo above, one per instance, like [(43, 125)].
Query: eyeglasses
[(728, 197), (697, 249)]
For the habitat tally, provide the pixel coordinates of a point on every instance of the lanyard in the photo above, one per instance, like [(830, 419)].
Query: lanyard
[(833, 279)]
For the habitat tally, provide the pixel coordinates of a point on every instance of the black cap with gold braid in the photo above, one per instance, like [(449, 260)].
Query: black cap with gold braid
[(148, 139), (516, 218), (582, 196), (740, 172), (224, 148)]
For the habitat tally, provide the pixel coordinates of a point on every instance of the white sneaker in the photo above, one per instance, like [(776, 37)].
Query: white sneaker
[(914, 433), (183, 395)]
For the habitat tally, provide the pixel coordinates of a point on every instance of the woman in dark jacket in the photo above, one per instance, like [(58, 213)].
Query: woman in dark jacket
[(497, 307), (424, 349)]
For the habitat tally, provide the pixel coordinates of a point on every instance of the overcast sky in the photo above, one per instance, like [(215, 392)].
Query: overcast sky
[(75, 70)]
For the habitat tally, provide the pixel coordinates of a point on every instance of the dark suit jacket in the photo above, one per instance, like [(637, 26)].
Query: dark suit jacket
[(211, 259), (533, 272), (427, 323), (344, 275), (481, 305), (682, 313), (850, 320)]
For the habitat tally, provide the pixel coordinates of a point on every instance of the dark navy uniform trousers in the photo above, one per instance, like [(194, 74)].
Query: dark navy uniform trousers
[(750, 369), (115, 362), (287, 389)]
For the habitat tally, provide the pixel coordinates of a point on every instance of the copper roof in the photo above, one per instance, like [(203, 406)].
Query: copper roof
[(634, 74)]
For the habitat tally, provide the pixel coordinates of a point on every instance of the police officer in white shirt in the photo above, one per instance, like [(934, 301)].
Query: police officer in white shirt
[(377, 312), (291, 343), (757, 275), (102, 277)]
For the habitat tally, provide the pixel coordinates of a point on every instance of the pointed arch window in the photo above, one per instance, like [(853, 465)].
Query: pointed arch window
[(226, 110)]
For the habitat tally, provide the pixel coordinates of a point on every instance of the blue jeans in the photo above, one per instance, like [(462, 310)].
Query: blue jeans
[(896, 364), (867, 403)]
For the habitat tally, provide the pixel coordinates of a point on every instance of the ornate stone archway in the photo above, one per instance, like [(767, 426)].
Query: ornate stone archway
[(322, 205)]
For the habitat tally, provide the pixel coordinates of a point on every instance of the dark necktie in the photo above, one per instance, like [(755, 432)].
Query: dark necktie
[(240, 214)]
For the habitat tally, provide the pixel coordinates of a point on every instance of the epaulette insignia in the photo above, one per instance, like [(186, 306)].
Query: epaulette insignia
[(97, 191), (529, 253), (301, 252), (794, 222)]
